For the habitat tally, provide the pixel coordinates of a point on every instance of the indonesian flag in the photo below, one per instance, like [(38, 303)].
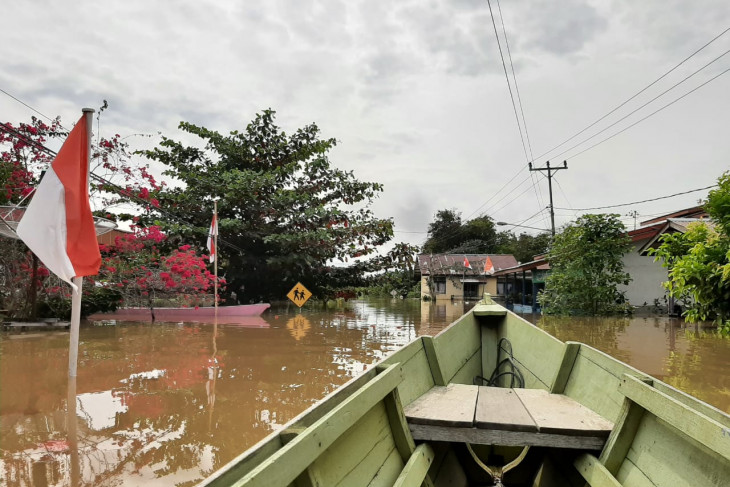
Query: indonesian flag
[(488, 266), (57, 225), (466, 263), (212, 233)]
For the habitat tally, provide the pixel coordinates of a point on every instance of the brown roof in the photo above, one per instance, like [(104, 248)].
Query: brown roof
[(644, 233), (540, 264), (672, 225), (444, 264), (694, 212)]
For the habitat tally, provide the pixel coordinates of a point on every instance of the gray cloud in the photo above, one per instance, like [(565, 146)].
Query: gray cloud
[(414, 90), (559, 28)]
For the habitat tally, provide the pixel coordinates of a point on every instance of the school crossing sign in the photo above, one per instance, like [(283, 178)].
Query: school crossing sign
[(299, 294)]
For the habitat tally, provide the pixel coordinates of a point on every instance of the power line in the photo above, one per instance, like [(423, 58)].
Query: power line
[(603, 117), (535, 186), (644, 105), (510, 201), (490, 209), (28, 106), (514, 78), (119, 189), (513, 225), (637, 94), (650, 115), (550, 176), (500, 190), (638, 202), (506, 76)]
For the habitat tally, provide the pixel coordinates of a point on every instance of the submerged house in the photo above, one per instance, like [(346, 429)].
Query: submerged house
[(522, 283), (645, 288), (461, 276)]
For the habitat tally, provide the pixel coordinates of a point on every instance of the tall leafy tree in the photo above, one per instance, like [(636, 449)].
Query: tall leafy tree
[(449, 234), (523, 246), (285, 213), (699, 261), (587, 267), (444, 232)]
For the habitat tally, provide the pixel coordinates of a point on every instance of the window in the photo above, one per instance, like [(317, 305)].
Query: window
[(439, 285), (471, 289)]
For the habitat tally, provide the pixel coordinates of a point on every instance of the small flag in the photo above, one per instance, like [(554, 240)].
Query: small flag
[(57, 225), (466, 263), (488, 266), (212, 233)]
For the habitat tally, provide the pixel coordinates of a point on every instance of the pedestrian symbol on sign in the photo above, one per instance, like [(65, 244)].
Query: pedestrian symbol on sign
[(299, 294)]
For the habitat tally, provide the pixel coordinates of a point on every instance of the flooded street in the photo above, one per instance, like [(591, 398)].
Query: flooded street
[(167, 404)]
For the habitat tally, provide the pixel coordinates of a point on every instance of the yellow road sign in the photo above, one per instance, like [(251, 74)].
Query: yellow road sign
[(299, 294)]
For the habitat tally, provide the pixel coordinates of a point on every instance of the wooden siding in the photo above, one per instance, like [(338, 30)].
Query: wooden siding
[(457, 350)]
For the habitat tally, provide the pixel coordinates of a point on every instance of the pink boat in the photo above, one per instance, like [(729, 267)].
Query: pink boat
[(226, 314)]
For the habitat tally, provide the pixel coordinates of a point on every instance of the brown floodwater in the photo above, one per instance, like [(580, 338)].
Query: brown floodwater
[(169, 403)]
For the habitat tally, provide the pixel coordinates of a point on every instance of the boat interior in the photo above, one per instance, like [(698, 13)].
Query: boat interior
[(494, 400)]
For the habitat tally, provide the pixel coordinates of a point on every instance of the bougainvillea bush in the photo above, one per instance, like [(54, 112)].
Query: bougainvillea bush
[(28, 290), (144, 272)]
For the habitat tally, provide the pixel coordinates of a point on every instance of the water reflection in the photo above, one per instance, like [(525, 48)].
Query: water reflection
[(172, 402), (687, 356), (169, 403)]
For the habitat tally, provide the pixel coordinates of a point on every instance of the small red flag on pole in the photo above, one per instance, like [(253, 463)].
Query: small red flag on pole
[(466, 263), (488, 266), (212, 234), (58, 225)]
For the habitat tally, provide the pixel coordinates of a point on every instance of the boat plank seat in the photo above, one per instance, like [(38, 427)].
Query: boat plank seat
[(502, 416)]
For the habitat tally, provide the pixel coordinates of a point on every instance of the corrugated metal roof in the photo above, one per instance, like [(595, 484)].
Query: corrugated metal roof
[(693, 212), (446, 264), (672, 225)]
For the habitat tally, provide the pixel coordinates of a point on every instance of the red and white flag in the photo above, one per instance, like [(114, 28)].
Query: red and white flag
[(212, 234), (57, 225), (488, 266), (466, 263)]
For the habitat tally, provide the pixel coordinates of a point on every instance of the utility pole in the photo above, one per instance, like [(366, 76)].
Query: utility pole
[(550, 171), (633, 214)]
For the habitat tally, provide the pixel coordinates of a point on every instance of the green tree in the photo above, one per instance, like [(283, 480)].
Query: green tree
[(285, 213), (587, 267), (523, 246), (699, 261), (449, 234), (444, 232)]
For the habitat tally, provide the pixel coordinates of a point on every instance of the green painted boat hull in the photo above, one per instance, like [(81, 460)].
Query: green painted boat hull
[(358, 435)]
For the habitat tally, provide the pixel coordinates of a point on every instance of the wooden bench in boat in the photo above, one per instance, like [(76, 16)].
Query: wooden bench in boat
[(499, 416)]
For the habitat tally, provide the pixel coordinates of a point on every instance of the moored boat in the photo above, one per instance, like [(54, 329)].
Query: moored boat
[(494, 400), (197, 313)]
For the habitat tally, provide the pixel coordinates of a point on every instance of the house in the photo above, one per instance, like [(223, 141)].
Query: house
[(522, 283), (461, 276), (645, 288), (109, 237)]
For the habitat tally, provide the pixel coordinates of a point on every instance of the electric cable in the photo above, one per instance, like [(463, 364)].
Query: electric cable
[(636, 94), (538, 190), (647, 103), (506, 76), (650, 115), (122, 191), (639, 202)]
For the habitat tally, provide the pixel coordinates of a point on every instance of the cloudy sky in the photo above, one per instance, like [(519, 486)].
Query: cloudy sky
[(414, 91)]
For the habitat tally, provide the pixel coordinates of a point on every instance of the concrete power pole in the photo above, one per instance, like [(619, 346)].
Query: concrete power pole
[(550, 171)]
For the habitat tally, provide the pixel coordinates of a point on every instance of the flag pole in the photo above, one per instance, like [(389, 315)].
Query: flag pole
[(215, 256), (73, 347)]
